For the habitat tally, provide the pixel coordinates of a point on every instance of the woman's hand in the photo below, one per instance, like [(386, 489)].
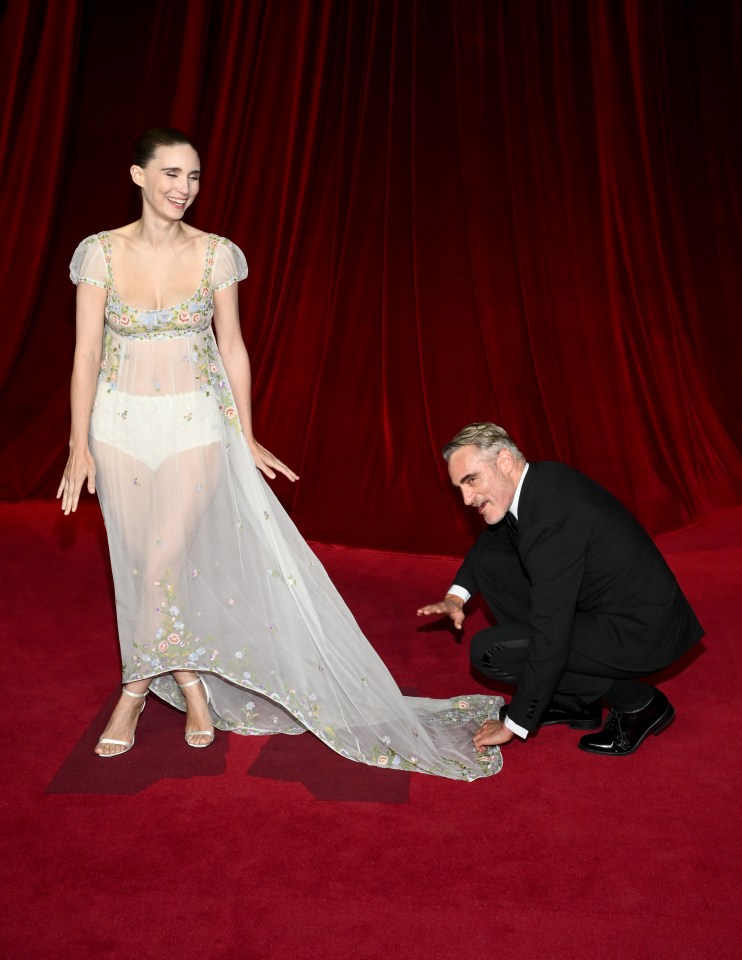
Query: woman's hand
[(79, 466), (265, 461)]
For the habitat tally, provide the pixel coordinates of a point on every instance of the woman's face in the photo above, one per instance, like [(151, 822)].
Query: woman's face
[(170, 180)]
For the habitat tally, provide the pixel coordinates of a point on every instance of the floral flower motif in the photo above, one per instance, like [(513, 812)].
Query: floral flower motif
[(382, 760), (230, 601), (230, 413), (195, 318), (184, 317), (162, 647), (173, 638), (213, 367), (204, 291), (386, 741), (125, 320), (194, 574), (463, 704)]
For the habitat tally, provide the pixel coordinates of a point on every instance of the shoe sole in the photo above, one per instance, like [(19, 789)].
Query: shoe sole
[(662, 723)]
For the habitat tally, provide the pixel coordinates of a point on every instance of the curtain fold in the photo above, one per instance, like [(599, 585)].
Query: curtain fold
[(525, 212)]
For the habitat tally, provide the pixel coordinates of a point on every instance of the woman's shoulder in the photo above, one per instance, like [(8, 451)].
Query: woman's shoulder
[(93, 239), (90, 260)]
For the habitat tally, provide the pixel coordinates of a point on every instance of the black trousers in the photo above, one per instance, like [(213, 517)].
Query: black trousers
[(500, 652)]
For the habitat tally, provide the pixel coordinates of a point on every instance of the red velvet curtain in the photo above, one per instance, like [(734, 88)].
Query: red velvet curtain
[(525, 211)]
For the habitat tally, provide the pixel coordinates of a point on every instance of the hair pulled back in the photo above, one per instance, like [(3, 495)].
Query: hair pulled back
[(147, 145)]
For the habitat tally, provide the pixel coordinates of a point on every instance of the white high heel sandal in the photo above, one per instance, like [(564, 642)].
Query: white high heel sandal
[(198, 733), (127, 744)]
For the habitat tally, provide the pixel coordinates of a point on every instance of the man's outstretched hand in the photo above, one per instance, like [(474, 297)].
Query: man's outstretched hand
[(451, 606), (492, 733)]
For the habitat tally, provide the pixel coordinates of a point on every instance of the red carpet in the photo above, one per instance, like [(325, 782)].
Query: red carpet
[(261, 848)]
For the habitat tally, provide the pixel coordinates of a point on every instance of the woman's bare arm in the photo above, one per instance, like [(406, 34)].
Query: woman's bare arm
[(88, 348), (237, 366)]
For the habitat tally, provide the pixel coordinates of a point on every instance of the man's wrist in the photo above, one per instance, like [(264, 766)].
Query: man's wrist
[(516, 728), (456, 592)]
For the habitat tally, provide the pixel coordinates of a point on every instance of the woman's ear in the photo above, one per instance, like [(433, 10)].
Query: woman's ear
[(137, 174)]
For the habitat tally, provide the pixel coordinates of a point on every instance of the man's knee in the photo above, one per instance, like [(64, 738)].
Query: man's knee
[(500, 652)]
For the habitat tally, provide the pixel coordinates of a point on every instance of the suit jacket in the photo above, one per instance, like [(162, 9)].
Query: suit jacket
[(595, 580)]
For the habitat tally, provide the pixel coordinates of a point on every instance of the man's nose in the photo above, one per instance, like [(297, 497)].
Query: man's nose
[(468, 495)]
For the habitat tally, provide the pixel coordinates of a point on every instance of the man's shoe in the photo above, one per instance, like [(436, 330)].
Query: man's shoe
[(624, 732), (589, 718)]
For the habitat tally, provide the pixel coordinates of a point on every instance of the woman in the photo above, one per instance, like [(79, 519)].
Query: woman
[(222, 608)]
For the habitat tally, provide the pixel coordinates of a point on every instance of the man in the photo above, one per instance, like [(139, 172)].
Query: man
[(584, 602)]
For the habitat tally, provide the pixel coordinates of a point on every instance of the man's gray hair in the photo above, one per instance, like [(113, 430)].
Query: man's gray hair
[(487, 437)]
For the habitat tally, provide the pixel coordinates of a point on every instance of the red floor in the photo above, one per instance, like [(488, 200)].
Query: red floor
[(274, 847)]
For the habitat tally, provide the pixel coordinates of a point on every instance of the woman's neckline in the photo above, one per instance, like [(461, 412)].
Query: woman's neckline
[(107, 235)]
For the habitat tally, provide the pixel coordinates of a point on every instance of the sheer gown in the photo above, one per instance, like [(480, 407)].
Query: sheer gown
[(210, 573)]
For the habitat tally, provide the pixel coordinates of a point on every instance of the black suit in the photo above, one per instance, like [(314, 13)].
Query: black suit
[(581, 595)]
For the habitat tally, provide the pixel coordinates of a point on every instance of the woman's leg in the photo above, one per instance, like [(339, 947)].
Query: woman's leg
[(151, 520), (123, 722)]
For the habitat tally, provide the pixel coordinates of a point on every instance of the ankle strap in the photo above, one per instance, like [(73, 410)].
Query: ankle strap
[(139, 696), (191, 683)]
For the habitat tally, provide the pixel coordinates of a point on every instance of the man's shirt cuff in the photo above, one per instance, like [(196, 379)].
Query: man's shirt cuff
[(516, 728), (457, 591)]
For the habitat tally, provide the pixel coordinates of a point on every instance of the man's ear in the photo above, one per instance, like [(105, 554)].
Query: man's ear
[(505, 461), (137, 174)]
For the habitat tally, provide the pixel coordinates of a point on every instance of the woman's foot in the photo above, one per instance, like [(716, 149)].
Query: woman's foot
[(199, 730), (118, 737)]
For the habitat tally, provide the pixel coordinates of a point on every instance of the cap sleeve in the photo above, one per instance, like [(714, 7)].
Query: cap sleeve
[(89, 263), (229, 264)]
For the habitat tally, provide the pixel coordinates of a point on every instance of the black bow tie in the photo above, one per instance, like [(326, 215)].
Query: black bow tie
[(511, 523)]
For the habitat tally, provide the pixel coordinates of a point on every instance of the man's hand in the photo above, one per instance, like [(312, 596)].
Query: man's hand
[(451, 606), (492, 733)]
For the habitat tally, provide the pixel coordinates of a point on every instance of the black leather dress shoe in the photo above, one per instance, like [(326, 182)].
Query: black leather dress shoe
[(624, 732), (588, 718)]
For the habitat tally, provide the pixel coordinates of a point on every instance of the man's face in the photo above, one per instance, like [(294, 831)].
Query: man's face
[(487, 485)]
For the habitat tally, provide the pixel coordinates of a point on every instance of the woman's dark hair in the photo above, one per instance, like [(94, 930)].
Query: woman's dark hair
[(146, 146)]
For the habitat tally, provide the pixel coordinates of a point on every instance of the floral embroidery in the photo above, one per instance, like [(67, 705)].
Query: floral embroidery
[(194, 313)]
